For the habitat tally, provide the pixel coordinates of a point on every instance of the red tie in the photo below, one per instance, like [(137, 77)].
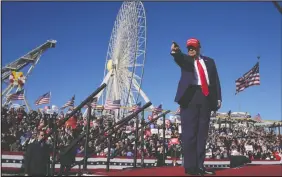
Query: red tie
[(204, 83)]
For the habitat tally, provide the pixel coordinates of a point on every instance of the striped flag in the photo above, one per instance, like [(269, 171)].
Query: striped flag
[(136, 107), (157, 110), (258, 118), (93, 104), (69, 103), (44, 99), (112, 105), (250, 78), (177, 111), (19, 95)]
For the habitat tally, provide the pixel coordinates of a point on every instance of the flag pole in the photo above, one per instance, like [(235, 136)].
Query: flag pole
[(118, 115), (26, 103), (239, 103), (50, 99)]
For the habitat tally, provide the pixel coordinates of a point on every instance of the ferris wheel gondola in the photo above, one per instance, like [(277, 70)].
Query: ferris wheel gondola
[(125, 60)]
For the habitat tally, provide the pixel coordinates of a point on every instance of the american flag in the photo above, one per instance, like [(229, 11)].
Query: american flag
[(136, 107), (112, 105), (93, 104), (157, 110), (44, 99), (19, 95), (177, 112), (250, 78), (258, 118), (69, 103)]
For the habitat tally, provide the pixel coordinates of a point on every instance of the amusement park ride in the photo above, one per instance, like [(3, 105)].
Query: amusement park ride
[(124, 66), (14, 79)]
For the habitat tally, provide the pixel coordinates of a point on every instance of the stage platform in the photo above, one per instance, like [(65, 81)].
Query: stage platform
[(250, 170)]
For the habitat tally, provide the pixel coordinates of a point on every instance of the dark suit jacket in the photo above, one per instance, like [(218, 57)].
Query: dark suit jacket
[(37, 158), (184, 91), (69, 157)]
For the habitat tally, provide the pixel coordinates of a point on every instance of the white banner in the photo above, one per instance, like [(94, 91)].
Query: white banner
[(167, 133), (249, 148), (154, 131)]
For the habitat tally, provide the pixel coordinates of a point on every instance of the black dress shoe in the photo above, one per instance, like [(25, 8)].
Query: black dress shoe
[(192, 172), (204, 171)]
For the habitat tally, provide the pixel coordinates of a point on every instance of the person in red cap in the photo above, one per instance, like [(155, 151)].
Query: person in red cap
[(198, 94)]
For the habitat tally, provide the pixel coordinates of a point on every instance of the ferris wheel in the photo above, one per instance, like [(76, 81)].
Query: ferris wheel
[(124, 65)]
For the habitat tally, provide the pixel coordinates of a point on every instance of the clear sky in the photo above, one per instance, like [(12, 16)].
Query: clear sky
[(233, 33)]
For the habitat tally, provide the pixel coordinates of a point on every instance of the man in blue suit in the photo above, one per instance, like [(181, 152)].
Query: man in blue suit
[(198, 94)]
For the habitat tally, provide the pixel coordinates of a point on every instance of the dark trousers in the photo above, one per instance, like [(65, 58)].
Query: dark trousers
[(65, 169), (51, 122), (195, 124), (160, 159)]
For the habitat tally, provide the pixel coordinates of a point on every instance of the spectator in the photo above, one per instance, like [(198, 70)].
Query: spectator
[(19, 129)]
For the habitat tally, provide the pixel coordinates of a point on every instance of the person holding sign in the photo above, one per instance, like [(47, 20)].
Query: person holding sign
[(198, 94)]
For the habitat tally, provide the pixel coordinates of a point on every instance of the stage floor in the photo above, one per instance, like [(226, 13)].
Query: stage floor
[(249, 170), (257, 170)]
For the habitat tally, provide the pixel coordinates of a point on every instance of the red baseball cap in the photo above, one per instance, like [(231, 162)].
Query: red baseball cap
[(193, 42)]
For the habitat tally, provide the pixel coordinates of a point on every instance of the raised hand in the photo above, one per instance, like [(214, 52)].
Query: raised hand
[(174, 47)]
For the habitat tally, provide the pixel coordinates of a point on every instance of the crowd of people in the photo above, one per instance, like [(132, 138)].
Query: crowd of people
[(19, 128)]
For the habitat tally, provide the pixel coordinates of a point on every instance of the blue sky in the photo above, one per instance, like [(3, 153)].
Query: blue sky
[(233, 33)]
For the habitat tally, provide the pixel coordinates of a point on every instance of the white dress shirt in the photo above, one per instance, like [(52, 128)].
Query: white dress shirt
[(197, 80)]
